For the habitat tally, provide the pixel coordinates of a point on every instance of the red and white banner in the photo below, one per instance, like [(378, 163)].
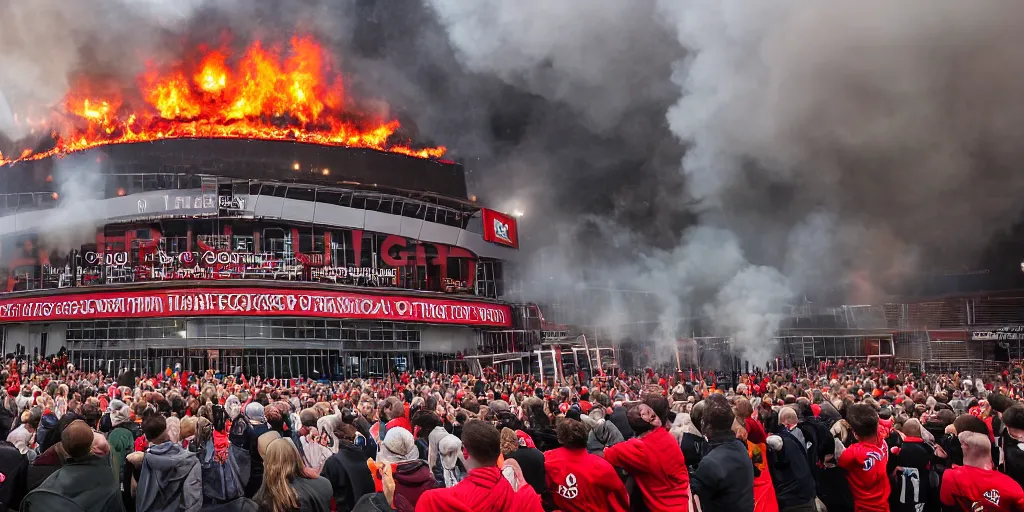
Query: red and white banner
[(500, 228), (251, 302)]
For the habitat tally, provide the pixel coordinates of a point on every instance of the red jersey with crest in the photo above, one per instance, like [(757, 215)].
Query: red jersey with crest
[(974, 489), (865, 471), (581, 482)]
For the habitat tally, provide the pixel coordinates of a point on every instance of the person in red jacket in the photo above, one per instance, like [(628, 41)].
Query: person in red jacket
[(865, 461), (578, 480), (975, 486), (484, 489), (655, 460)]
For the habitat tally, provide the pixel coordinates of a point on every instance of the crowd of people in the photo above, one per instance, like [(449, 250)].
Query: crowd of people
[(838, 437)]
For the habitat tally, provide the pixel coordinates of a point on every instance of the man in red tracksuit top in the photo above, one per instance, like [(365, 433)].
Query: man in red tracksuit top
[(655, 460), (484, 489), (975, 486), (579, 481), (865, 461)]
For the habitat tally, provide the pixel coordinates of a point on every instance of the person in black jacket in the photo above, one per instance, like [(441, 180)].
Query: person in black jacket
[(347, 470), (725, 478), (531, 460), (790, 467), (1011, 439), (911, 477), (693, 444), (618, 418)]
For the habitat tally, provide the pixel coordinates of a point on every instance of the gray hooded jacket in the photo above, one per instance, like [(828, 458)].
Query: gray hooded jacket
[(171, 480)]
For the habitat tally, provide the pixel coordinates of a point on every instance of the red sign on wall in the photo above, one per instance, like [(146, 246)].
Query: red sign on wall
[(251, 302), (500, 228)]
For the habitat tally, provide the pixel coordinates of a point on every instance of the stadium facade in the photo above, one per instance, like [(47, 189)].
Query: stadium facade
[(274, 258)]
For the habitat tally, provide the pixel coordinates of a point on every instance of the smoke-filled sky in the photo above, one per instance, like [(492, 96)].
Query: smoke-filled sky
[(728, 157)]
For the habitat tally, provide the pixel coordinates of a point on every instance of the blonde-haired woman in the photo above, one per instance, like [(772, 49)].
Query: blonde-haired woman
[(286, 487)]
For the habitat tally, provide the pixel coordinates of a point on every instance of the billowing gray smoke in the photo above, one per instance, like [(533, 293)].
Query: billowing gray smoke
[(829, 148), (724, 158)]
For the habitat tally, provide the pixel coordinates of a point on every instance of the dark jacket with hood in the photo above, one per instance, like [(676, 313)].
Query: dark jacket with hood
[(411, 480), (725, 478), (45, 437), (171, 480), (791, 472), (87, 484), (251, 444), (618, 418), (349, 476), (42, 467)]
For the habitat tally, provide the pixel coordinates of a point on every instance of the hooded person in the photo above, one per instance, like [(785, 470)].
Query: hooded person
[(451, 460), (602, 432), (412, 476), (654, 459), (326, 425), (484, 488), (249, 441), (579, 481), (347, 469), (171, 477), (47, 434), (233, 407)]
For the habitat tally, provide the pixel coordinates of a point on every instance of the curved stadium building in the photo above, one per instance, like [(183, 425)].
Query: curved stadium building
[(275, 258)]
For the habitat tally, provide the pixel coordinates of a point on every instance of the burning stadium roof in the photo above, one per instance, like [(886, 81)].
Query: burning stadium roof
[(270, 92)]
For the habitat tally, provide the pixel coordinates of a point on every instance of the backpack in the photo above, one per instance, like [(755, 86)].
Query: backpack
[(122, 442), (223, 481), (47, 500)]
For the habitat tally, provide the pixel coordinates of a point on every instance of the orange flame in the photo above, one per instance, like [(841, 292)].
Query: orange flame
[(264, 95)]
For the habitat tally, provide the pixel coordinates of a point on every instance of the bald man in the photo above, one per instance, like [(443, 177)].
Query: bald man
[(976, 486), (789, 466)]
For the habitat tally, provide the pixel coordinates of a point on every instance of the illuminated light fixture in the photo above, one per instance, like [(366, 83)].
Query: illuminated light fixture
[(54, 196), (49, 179), (120, 192), (472, 198), (517, 213), (295, 166), (326, 172)]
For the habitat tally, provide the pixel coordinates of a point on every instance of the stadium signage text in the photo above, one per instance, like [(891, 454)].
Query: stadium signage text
[(1000, 334), (246, 301)]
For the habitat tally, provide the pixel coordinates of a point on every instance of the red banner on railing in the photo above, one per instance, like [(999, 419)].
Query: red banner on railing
[(251, 302)]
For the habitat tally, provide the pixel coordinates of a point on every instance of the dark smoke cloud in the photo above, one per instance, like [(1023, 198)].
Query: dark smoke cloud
[(724, 158)]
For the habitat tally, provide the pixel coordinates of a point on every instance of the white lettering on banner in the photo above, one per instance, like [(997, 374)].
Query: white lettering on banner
[(110, 259), (1014, 332), (352, 272), (205, 302)]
